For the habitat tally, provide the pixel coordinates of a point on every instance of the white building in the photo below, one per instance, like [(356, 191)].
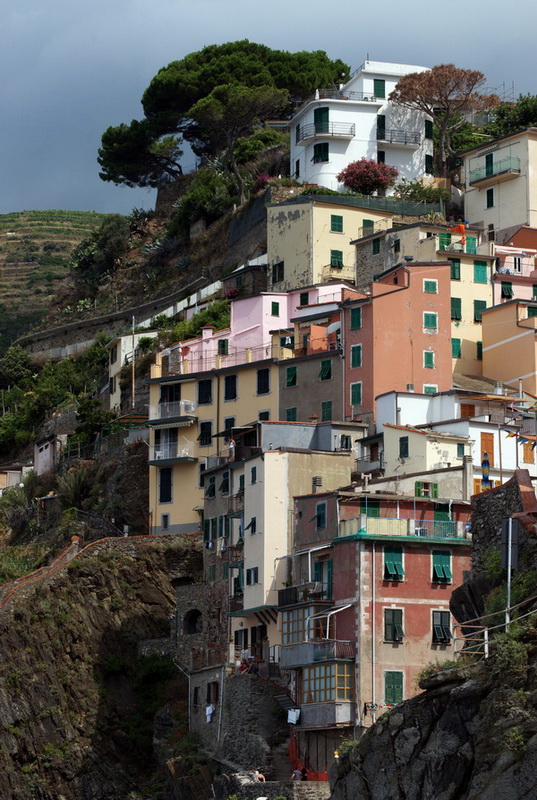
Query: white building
[(337, 126), (121, 350)]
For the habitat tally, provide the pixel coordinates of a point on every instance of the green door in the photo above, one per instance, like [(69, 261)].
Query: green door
[(444, 240), (441, 517), (320, 119), (489, 164)]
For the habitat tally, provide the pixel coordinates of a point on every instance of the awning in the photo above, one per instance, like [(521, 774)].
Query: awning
[(329, 613), (334, 326), (183, 424)]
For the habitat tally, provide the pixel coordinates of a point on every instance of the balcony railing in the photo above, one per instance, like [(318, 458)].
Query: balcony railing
[(370, 464), (338, 94), (502, 167), (304, 593), (314, 652), (327, 715), (235, 503), (446, 243), (382, 526), (179, 408), (163, 452), (236, 602), (344, 130), (398, 136)]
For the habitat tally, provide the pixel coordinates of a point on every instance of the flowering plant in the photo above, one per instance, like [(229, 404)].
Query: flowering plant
[(366, 177)]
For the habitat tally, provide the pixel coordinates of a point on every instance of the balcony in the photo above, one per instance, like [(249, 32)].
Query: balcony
[(172, 452), (236, 602), (399, 136), (333, 130), (338, 94), (304, 593), (447, 243), (382, 526), (175, 410), (370, 465), (503, 170), (235, 503), (327, 715), (307, 653)]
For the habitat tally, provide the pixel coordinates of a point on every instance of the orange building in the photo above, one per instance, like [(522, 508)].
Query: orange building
[(399, 336)]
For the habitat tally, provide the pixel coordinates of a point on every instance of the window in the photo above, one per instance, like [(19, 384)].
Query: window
[(471, 245), (393, 688), (165, 485), (113, 354), (223, 347), (327, 683), (460, 449), (403, 447), (467, 410), (325, 373), (326, 411), (490, 198), (456, 348), (336, 258), (479, 354), (393, 625), (201, 476), (320, 516), (480, 271), (425, 489), (430, 388), (241, 482), (287, 341), (534, 291), (455, 268), (224, 484), (397, 249), (528, 454), (321, 119), (345, 442), (291, 377), (297, 134), (277, 272), (429, 165), (430, 286), (212, 693), (381, 126), (210, 489), (441, 566), (456, 308), (230, 387), (304, 298), (263, 416), (356, 355), (441, 627), (532, 311), (206, 433), (290, 414), (490, 232), (375, 247), (479, 307), (205, 391), (336, 223), (165, 522), (252, 576), (253, 475), (356, 394), (296, 626), (430, 320), (506, 289), (275, 309), (428, 129), (393, 564), (371, 508), (229, 423), (252, 525), (368, 226), (320, 152), (356, 318), (297, 168), (112, 384), (381, 156), (263, 381), (428, 359), (379, 88)]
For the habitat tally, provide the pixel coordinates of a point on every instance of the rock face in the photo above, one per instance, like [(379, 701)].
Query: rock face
[(472, 735), (68, 714)]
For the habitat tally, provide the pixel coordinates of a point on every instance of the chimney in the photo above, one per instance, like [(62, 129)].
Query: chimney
[(498, 388), (410, 387), (467, 477)]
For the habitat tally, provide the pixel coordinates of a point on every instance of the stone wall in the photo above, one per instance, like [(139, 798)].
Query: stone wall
[(225, 786), (207, 644)]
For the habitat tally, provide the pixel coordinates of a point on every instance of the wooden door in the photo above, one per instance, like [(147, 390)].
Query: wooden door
[(487, 446)]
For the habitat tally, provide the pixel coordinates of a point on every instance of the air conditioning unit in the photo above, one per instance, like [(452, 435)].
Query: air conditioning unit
[(421, 532)]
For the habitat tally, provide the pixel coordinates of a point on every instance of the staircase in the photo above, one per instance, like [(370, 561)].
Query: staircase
[(281, 765)]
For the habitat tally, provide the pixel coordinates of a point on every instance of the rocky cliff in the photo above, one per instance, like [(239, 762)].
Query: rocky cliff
[(76, 701)]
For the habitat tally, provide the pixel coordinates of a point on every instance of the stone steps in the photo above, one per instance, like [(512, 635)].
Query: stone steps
[(281, 765)]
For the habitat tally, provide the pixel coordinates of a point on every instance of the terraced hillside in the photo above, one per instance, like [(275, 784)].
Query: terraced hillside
[(34, 252)]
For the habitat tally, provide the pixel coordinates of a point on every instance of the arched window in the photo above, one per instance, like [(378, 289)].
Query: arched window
[(193, 622)]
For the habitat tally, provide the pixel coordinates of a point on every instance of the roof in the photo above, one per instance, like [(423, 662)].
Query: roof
[(477, 383), (531, 130)]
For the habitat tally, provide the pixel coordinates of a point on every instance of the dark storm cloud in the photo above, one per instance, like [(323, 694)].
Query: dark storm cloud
[(72, 69)]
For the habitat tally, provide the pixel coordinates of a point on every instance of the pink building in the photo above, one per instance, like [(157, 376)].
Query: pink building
[(515, 274)]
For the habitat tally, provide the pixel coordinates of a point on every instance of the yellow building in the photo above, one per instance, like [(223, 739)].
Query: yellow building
[(189, 415), (308, 239), (510, 344)]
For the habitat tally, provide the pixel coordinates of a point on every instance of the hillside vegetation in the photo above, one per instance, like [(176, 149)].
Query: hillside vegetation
[(35, 247)]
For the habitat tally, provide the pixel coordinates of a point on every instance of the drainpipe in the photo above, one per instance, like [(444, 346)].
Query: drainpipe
[(373, 632), (221, 704)]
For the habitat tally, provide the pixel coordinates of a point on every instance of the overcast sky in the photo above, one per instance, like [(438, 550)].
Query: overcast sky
[(71, 69)]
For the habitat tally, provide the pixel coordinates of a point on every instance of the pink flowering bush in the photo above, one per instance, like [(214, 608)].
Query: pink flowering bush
[(366, 177)]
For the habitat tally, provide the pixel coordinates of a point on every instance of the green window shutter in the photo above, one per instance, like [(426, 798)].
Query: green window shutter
[(356, 394), (356, 318), (221, 527), (379, 88), (430, 320), (356, 355), (317, 574), (442, 566), (336, 258), (460, 449), (290, 414), (325, 373), (428, 359), (275, 309), (320, 120), (431, 287), (326, 411), (455, 269), (479, 346), (428, 129), (393, 625), (320, 152), (291, 377), (368, 226), (532, 311), (444, 240), (223, 347), (381, 126), (507, 289), (206, 530), (375, 246), (456, 308), (336, 223), (393, 687), (225, 570), (321, 516), (429, 165), (534, 290), (329, 570), (471, 245), (403, 447), (455, 348), (212, 570), (371, 508), (418, 488), (393, 563), (434, 490), (479, 307), (490, 198)]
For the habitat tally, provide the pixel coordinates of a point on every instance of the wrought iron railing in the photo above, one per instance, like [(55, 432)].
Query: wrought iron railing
[(398, 136), (327, 129)]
